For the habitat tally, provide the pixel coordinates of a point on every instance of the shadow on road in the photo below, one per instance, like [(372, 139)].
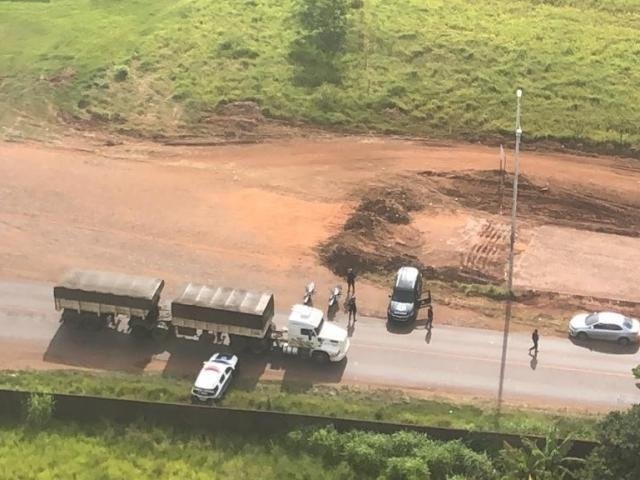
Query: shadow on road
[(427, 337), (400, 328), (298, 370), (110, 349), (606, 347), (106, 349), (406, 328), (184, 356), (420, 322)]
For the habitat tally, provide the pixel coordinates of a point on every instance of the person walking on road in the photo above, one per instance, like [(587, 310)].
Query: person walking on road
[(535, 337), (352, 309), (429, 316), (351, 281)]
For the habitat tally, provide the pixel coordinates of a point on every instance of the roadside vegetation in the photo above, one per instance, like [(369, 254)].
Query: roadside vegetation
[(38, 446), (437, 68), (366, 404)]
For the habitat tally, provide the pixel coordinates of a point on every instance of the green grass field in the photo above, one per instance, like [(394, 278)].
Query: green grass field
[(383, 405), (442, 68), (104, 451)]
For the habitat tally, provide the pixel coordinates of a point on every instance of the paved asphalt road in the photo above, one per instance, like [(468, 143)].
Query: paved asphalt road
[(452, 360)]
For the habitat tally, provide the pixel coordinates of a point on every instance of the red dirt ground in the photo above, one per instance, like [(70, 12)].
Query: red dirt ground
[(247, 215)]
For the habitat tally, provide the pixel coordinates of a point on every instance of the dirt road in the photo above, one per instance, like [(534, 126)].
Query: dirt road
[(452, 360)]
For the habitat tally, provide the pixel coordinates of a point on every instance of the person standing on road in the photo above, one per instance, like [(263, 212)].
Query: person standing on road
[(429, 316), (352, 309), (535, 337), (351, 281)]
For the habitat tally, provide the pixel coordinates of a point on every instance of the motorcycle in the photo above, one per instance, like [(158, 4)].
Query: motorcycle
[(334, 306), (309, 290), (333, 297)]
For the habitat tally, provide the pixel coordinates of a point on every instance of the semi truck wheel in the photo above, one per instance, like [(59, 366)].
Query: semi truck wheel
[(92, 321), (320, 357), (160, 332), (206, 337), (70, 317), (138, 331), (238, 343), (258, 346)]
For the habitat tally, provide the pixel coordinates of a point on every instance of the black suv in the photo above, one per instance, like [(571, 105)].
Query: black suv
[(405, 298)]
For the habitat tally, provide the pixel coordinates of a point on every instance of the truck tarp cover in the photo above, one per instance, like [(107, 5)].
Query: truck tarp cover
[(227, 306), (110, 289)]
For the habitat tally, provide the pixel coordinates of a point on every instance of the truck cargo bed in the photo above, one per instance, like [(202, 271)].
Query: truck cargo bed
[(115, 289), (224, 305)]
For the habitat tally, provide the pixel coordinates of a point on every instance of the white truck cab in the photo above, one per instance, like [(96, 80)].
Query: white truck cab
[(308, 330)]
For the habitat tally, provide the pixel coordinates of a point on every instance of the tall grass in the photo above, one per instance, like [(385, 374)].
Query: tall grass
[(445, 68), (105, 451), (382, 405)]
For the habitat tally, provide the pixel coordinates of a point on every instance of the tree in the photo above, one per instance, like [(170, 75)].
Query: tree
[(616, 458), (323, 32), (534, 463)]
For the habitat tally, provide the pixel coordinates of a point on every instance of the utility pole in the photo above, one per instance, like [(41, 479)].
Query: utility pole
[(503, 167), (512, 241), (516, 172)]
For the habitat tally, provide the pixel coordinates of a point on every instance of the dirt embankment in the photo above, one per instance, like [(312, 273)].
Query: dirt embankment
[(378, 237), (582, 209)]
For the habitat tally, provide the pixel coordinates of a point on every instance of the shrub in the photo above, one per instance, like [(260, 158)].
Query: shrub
[(531, 461), (120, 73), (405, 468), (446, 459), (315, 52), (496, 292), (617, 456), (401, 455), (38, 409)]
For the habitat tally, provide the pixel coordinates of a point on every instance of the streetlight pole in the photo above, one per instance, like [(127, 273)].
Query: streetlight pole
[(512, 241), (515, 193)]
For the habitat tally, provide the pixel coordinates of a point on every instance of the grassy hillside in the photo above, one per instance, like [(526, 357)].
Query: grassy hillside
[(445, 68)]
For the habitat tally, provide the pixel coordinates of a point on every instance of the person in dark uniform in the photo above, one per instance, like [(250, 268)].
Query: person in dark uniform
[(352, 308), (429, 316), (351, 281), (535, 337)]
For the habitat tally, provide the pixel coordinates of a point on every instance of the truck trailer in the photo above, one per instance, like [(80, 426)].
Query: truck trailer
[(96, 298)]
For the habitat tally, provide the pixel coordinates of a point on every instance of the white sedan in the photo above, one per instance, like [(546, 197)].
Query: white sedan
[(610, 326), (214, 378)]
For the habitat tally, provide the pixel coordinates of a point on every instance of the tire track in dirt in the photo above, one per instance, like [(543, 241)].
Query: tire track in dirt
[(486, 253)]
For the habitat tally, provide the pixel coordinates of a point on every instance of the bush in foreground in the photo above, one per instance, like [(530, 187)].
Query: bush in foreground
[(617, 456), (401, 455), (38, 409)]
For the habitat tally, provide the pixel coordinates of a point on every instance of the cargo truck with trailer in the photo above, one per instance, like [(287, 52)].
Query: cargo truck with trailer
[(247, 317), (96, 299)]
